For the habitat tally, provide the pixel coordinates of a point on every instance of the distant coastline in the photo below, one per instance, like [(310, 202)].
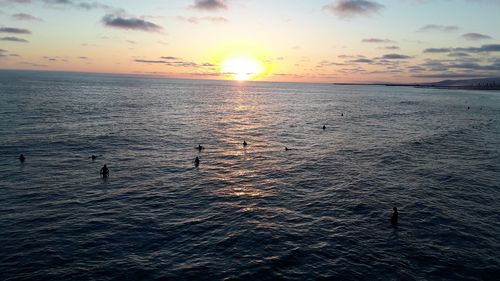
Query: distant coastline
[(484, 84)]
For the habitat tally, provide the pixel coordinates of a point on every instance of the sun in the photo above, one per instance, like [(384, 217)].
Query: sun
[(242, 68)]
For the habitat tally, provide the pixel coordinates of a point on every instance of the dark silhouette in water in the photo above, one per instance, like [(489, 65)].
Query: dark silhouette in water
[(200, 147), (93, 157), (196, 161), (22, 158), (395, 216), (286, 148), (324, 127), (104, 171), (342, 114), (468, 107), (245, 143)]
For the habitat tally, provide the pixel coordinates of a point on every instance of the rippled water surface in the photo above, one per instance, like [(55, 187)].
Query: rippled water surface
[(318, 211)]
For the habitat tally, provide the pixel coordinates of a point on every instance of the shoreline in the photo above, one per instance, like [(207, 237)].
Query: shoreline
[(477, 88)]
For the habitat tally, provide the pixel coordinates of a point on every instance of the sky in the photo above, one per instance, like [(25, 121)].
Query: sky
[(401, 41)]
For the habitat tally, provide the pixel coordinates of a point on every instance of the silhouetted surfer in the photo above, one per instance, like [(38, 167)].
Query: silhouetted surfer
[(324, 127), (245, 143), (22, 158), (342, 114), (93, 157), (395, 216), (286, 148), (196, 161), (468, 107), (200, 147), (104, 171)]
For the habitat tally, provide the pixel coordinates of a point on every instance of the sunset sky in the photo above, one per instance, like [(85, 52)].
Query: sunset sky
[(272, 40)]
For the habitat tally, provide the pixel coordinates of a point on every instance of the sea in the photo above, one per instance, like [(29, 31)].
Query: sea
[(318, 211)]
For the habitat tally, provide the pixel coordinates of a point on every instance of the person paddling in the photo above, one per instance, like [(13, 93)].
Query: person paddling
[(104, 171), (22, 158), (395, 216)]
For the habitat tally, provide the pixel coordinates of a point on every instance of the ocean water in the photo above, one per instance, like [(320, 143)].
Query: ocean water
[(319, 211)]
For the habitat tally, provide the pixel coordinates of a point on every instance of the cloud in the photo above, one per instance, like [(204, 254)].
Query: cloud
[(25, 17), (361, 61), (14, 30), (392, 48), (475, 36), (196, 20), (437, 50), (14, 39), (395, 57), (459, 54), (172, 61), (435, 27), (116, 21), (16, 1), (450, 75), (351, 8), (209, 5), (377, 40), (482, 49), (170, 58), (151, 61)]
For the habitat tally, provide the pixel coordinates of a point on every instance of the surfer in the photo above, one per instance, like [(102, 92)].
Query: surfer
[(324, 127), (342, 114), (104, 171), (395, 216), (22, 158), (93, 157), (200, 147), (245, 143), (286, 148), (196, 161)]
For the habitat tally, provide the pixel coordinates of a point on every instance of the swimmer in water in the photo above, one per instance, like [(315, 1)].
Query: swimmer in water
[(245, 143), (196, 161), (286, 148), (200, 147), (324, 127), (395, 216), (93, 157), (22, 158), (342, 114), (104, 171)]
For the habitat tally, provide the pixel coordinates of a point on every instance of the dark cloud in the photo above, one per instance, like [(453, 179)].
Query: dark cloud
[(482, 49), (209, 5), (475, 36), (196, 20), (352, 8), (170, 58), (450, 75), (130, 23), (78, 4), (14, 39), (437, 50), (14, 30), (25, 17), (361, 61), (171, 61), (392, 48), (377, 40), (395, 57), (151, 61), (435, 27), (458, 54)]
